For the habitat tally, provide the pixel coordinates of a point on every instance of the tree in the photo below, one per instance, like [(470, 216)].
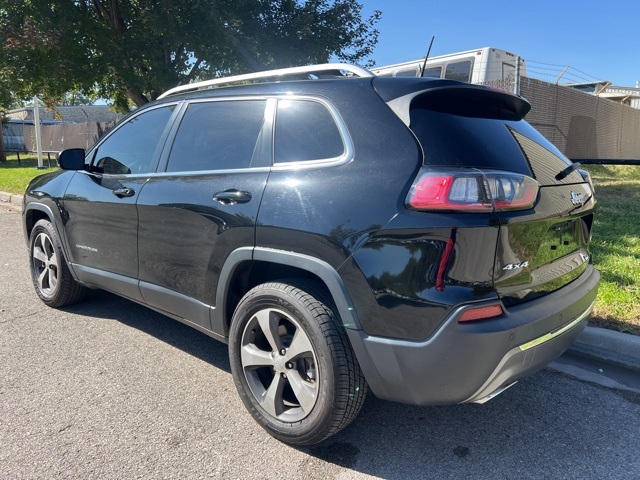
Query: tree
[(133, 50)]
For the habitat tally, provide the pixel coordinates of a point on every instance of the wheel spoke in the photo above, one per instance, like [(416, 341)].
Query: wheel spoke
[(272, 399), (53, 278), (253, 357), (300, 346), (304, 391), (269, 321), (38, 254), (41, 278), (43, 244)]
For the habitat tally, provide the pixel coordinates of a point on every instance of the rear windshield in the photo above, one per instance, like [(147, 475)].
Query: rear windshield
[(452, 140)]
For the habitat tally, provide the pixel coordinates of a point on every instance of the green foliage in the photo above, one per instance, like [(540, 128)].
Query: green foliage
[(131, 51)]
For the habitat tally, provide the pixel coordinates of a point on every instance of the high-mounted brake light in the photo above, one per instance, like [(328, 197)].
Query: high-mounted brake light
[(471, 190)]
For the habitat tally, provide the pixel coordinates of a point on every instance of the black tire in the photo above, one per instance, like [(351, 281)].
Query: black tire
[(49, 272), (309, 386)]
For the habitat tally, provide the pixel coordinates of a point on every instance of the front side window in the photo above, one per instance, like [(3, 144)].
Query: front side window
[(460, 71), (218, 136), (306, 131), (132, 148)]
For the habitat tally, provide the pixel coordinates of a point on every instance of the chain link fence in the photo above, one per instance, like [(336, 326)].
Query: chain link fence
[(61, 128)]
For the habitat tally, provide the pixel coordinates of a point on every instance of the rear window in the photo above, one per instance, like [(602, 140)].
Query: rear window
[(452, 140), (475, 142)]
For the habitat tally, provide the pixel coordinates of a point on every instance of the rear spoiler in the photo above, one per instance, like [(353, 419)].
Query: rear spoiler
[(455, 98)]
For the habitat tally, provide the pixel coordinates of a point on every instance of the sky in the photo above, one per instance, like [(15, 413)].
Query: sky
[(598, 40)]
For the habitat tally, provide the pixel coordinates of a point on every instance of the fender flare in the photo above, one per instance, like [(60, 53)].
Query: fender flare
[(310, 264)]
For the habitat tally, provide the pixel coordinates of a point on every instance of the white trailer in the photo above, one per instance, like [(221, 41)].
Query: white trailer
[(474, 66)]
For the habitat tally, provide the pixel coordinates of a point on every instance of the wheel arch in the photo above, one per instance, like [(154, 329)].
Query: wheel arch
[(32, 214), (247, 267)]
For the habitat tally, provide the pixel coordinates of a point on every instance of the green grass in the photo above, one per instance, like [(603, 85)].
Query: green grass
[(15, 177), (615, 244), (616, 247)]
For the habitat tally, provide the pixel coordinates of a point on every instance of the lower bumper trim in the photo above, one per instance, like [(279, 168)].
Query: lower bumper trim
[(559, 331)]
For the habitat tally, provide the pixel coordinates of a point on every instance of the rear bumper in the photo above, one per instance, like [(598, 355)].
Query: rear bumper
[(471, 362)]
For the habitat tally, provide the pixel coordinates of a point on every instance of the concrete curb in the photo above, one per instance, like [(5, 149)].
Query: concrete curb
[(617, 348), (11, 198), (600, 344)]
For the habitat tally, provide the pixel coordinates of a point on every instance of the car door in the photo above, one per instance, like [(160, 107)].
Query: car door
[(204, 205), (100, 203)]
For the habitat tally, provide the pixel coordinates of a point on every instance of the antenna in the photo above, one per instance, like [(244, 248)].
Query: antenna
[(424, 65)]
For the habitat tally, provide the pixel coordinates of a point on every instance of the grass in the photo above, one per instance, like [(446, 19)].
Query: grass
[(15, 177), (615, 244), (616, 247)]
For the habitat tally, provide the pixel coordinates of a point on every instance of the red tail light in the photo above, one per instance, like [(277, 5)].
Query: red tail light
[(470, 190)]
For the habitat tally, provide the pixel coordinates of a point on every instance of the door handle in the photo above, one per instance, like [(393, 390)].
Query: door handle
[(124, 192), (231, 197)]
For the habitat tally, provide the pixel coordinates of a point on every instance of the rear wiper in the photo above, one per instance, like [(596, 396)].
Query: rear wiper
[(567, 171)]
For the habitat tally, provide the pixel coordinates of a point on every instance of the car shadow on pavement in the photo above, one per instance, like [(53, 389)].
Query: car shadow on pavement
[(546, 426), (102, 304)]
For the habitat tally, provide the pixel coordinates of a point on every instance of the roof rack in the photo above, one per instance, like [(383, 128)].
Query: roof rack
[(336, 68)]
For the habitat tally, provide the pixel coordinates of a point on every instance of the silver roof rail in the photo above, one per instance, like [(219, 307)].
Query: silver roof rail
[(325, 67)]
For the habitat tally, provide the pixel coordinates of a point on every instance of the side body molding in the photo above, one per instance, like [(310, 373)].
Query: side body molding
[(320, 268)]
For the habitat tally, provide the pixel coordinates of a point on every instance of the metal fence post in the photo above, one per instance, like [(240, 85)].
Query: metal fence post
[(516, 84), (36, 122)]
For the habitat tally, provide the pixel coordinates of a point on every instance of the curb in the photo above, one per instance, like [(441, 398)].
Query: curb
[(612, 347), (11, 198), (608, 346)]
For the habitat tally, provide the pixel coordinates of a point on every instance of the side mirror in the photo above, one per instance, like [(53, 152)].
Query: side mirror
[(71, 159)]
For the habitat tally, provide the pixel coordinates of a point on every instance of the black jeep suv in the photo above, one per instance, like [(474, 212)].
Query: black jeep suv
[(340, 232)]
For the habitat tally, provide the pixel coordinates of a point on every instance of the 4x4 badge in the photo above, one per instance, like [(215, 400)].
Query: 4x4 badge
[(577, 199), (515, 266)]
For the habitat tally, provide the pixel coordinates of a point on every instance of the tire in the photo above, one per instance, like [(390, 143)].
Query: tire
[(49, 272), (292, 362)]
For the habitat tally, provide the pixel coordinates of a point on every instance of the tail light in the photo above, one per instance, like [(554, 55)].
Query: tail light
[(471, 190)]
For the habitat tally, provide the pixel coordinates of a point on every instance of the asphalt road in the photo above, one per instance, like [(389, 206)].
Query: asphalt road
[(109, 389)]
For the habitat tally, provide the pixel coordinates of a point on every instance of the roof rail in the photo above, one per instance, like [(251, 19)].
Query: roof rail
[(325, 67)]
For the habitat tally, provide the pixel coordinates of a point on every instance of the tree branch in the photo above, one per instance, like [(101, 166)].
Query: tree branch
[(192, 73)]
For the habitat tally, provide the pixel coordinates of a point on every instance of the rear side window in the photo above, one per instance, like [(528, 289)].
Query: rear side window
[(306, 131), (453, 140), (218, 136), (460, 71)]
